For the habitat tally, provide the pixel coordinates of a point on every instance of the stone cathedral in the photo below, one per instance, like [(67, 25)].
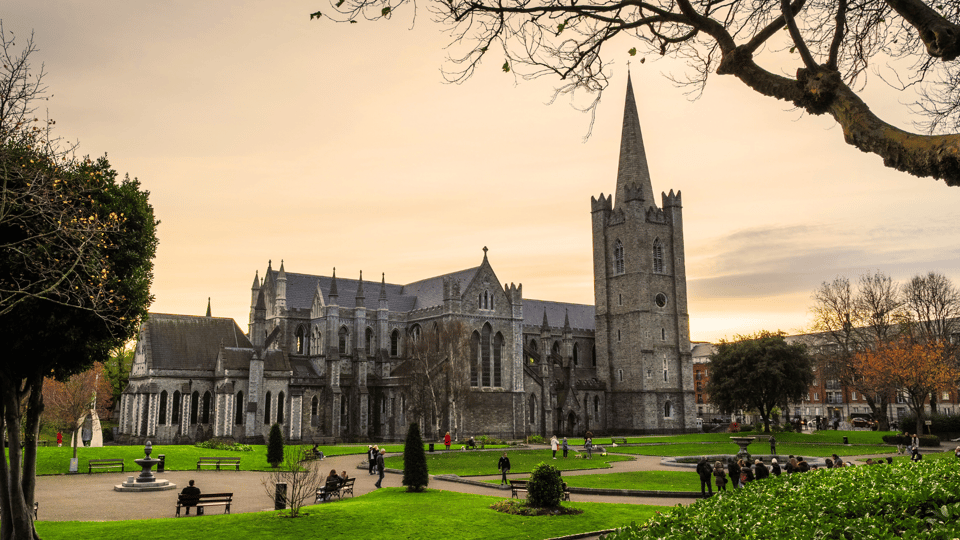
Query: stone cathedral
[(328, 357)]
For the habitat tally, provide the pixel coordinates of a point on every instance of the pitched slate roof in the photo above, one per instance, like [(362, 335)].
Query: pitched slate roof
[(401, 298), (187, 342), (581, 315)]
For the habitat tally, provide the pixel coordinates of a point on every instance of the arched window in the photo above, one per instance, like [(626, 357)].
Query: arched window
[(177, 407), (497, 359), (314, 406), (533, 344), (474, 358), (533, 409), (342, 339), (657, 257), (667, 410), (596, 406), (664, 368), (301, 340), (395, 343), (266, 410), (315, 345), (194, 405), (416, 332), (370, 342), (238, 408), (576, 354), (163, 409), (205, 417), (618, 258), (280, 404), (485, 354), (556, 348)]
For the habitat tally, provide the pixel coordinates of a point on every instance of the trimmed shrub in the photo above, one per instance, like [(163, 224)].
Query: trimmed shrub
[(545, 488), (415, 474), (534, 439), (925, 440), (275, 446)]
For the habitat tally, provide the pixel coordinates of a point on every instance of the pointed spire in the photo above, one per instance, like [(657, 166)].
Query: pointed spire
[(566, 319), (281, 274), (261, 303), (208, 307), (333, 285), (256, 280), (545, 325), (360, 295), (484, 253), (383, 286), (633, 167)]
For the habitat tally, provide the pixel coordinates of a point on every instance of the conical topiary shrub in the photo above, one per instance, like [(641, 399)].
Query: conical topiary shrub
[(275, 446), (415, 474)]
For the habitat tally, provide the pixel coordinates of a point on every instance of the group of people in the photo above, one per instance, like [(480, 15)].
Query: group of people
[(332, 484), (741, 472), (375, 462), (555, 445)]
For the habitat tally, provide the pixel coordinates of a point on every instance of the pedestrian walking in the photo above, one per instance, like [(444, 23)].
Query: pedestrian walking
[(773, 446), (372, 454), (588, 445), (504, 466), (380, 467)]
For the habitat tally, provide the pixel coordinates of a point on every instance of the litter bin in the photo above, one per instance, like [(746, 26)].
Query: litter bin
[(280, 497), (431, 447), (845, 441), (162, 458)]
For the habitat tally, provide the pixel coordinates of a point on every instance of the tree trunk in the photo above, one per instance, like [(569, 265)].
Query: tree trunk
[(17, 516)]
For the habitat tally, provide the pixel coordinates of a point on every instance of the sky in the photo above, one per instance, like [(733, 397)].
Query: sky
[(262, 135)]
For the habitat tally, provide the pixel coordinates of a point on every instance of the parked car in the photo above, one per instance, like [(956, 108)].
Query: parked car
[(862, 423)]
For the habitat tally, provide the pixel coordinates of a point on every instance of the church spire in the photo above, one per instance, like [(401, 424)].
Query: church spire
[(208, 306), (383, 286), (333, 287), (633, 170), (360, 294)]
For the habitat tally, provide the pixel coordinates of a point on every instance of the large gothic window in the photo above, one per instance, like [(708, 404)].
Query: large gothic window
[(618, 258), (194, 405), (205, 417), (474, 358), (533, 344), (177, 407), (238, 410), (395, 343), (657, 257), (497, 359), (280, 404), (342, 340), (485, 355), (301, 340), (370, 342), (533, 409), (266, 410), (576, 354), (315, 346), (163, 408)]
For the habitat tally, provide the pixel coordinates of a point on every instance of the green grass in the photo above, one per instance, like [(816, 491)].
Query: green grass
[(699, 449), (389, 513), (485, 463), (639, 480)]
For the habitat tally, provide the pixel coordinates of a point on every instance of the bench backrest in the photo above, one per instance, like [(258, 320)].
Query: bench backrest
[(106, 460), (518, 483)]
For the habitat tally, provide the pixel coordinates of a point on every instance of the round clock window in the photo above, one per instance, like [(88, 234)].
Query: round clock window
[(661, 300)]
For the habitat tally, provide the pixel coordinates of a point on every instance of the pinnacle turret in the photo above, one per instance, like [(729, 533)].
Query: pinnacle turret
[(360, 294), (333, 287)]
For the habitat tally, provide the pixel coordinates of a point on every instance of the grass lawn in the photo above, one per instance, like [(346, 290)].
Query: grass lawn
[(699, 449), (389, 513), (521, 461), (640, 480)]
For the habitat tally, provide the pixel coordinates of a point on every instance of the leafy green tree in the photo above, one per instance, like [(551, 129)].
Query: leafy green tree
[(415, 473), (759, 372), (813, 54), (117, 369), (76, 263), (275, 446), (545, 489)]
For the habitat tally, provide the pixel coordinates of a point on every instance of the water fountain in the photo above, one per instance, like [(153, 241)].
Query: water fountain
[(743, 442), (146, 481)]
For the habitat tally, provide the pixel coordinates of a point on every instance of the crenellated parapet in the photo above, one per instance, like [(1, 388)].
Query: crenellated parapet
[(655, 215), (633, 192), (603, 204), (670, 200)]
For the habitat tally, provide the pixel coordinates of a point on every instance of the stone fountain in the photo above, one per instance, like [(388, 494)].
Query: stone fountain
[(743, 442), (146, 481)]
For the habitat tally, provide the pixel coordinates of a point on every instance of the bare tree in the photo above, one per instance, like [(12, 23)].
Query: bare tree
[(301, 476), (934, 305), (830, 44), (437, 371), (857, 321), (65, 403)]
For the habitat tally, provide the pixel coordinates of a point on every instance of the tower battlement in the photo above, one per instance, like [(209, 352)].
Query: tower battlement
[(603, 203)]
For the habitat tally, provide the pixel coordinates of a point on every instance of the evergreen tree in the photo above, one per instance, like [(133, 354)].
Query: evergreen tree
[(545, 488), (275, 446), (415, 474)]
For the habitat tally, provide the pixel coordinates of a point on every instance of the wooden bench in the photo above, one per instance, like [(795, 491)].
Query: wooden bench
[(520, 486), (104, 464), (335, 488), (203, 500), (218, 461), (618, 440)]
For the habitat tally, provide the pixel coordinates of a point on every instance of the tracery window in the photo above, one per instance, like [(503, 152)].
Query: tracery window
[(657, 257), (618, 258)]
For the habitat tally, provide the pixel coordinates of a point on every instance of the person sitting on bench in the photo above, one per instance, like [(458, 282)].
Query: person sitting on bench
[(471, 443), (192, 491), (332, 485), (317, 453)]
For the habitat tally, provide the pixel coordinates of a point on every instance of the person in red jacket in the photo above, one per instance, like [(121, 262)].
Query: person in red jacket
[(446, 440)]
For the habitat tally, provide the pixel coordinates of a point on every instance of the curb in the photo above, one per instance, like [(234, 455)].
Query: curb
[(583, 491)]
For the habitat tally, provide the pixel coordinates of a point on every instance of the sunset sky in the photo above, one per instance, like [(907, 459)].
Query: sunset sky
[(262, 135)]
